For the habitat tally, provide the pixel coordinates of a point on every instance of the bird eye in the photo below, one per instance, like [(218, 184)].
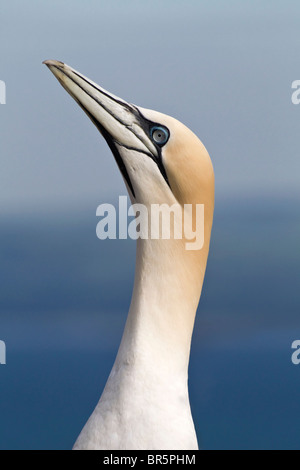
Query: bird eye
[(160, 135)]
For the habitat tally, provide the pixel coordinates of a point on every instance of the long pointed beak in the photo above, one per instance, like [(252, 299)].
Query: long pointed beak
[(118, 121), (119, 118)]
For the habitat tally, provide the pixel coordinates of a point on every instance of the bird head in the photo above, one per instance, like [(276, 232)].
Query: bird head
[(161, 160)]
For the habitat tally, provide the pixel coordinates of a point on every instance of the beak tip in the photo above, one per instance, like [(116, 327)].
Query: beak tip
[(50, 63)]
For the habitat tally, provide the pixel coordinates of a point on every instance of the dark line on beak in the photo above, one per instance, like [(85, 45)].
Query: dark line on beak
[(113, 148), (131, 109), (144, 123), (126, 105)]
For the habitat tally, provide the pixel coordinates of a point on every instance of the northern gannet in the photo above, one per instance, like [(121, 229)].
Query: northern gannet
[(145, 403)]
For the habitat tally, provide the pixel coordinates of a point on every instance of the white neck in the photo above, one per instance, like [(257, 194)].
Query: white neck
[(145, 403), (160, 321)]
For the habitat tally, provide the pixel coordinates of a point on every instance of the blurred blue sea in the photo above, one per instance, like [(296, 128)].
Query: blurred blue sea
[(63, 304)]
